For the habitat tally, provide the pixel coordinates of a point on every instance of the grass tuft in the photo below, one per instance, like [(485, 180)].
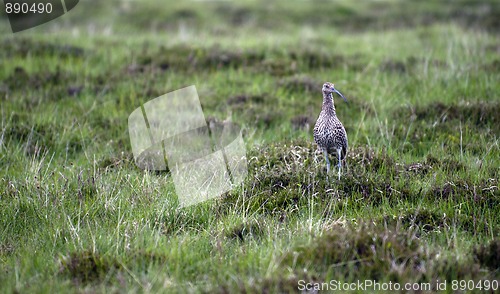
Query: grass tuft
[(489, 254), (87, 266)]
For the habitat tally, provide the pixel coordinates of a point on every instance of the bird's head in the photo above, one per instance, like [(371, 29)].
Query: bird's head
[(329, 88)]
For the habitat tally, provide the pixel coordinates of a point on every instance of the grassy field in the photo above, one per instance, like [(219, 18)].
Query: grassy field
[(419, 202)]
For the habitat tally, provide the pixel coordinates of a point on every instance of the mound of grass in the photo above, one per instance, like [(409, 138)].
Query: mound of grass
[(367, 251)]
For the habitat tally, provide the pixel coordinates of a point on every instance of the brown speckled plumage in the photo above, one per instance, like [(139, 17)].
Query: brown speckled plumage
[(329, 133)]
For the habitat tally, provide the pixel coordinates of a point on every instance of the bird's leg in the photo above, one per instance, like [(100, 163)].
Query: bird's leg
[(339, 151), (327, 162)]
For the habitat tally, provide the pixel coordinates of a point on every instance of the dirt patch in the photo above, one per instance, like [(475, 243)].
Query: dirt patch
[(235, 16), (446, 191), (86, 185), (317, 59), (447, 164), (492, 67), (371, 189), (495, 48), (35, 139), (302, 122), (24, 47), (74, 90), (410, 64), (392, 66), (416, 168), (178, 221), (219, 58), (87, 266), (6, 249), (260, 110), (186, 58), (489, 255), (425, 220), (9, 188), (258, 116), (274, 62), (185, 13), (367, 160), (147, 256), (117, 162), (357, 106), (246, 98), (479, 113), (278, 67), (301, 84), (54, 81), (241, 232), (414, 61)]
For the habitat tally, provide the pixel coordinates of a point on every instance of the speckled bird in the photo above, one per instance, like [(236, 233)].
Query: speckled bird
[(329, 133)]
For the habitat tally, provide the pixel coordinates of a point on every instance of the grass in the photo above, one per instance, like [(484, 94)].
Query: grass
[(419, 201)]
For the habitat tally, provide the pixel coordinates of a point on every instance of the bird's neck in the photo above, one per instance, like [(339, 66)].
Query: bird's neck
[(328, 105)]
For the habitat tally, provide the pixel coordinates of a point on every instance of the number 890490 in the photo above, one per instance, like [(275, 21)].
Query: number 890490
[(28, 8)]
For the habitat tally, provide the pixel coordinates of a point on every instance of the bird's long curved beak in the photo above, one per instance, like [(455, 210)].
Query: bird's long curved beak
[(340, 94)]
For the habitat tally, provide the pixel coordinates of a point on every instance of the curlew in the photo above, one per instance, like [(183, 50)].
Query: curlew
[(329, 133)]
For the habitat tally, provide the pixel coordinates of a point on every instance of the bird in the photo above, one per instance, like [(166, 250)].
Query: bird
[(329, 133)]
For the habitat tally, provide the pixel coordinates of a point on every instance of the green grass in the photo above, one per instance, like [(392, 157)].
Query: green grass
[(419, 201)]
